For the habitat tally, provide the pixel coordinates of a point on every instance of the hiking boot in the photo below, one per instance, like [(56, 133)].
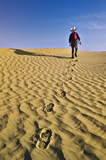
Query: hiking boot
[(72, 57)]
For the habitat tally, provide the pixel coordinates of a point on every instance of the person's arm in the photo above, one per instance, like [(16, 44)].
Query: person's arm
[(78, 38), (70, 40)]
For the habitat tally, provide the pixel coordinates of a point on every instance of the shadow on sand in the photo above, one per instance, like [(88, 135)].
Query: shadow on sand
[(21, 52)]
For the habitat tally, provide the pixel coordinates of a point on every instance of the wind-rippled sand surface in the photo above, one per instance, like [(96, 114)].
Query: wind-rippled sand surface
[(52, 107)]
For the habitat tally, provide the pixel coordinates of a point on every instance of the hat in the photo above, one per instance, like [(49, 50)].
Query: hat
[(73, 29)]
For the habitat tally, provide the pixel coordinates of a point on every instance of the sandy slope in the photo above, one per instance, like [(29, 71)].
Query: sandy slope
[(52, 107)]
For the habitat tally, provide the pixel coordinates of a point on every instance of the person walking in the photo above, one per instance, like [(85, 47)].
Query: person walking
[(73, 41)]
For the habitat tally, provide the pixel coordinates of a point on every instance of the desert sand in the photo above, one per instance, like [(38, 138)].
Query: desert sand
[(52, 107)]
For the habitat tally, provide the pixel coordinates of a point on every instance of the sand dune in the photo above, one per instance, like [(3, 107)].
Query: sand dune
[(52, 107)]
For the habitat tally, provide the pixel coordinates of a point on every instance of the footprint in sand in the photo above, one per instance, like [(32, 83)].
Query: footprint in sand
[(2, 144), (20, 125), (72, 70), (73, 64), (3, 122), (35, 138), (80, 142), (76, 60), (61, 94), (48, 108), (70, 78), (42, 138)]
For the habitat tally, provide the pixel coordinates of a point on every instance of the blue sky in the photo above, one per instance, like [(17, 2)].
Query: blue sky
[(47, 23)]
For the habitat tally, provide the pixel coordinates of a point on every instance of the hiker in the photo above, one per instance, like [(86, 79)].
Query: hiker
[(73, 41)]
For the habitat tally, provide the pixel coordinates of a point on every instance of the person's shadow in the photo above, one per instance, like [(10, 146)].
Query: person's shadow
[(21, 52)]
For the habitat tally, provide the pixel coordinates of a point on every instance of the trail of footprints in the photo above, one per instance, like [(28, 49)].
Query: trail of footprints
[(42, 137)]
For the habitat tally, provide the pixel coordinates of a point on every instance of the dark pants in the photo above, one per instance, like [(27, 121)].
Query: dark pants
[(74, 45)]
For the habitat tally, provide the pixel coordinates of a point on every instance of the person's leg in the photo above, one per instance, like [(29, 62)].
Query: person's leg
[(76, 48), (72, 45), (75, 52), (72, 52)]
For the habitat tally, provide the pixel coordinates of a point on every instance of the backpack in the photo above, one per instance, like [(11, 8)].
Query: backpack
[(74, 36)]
